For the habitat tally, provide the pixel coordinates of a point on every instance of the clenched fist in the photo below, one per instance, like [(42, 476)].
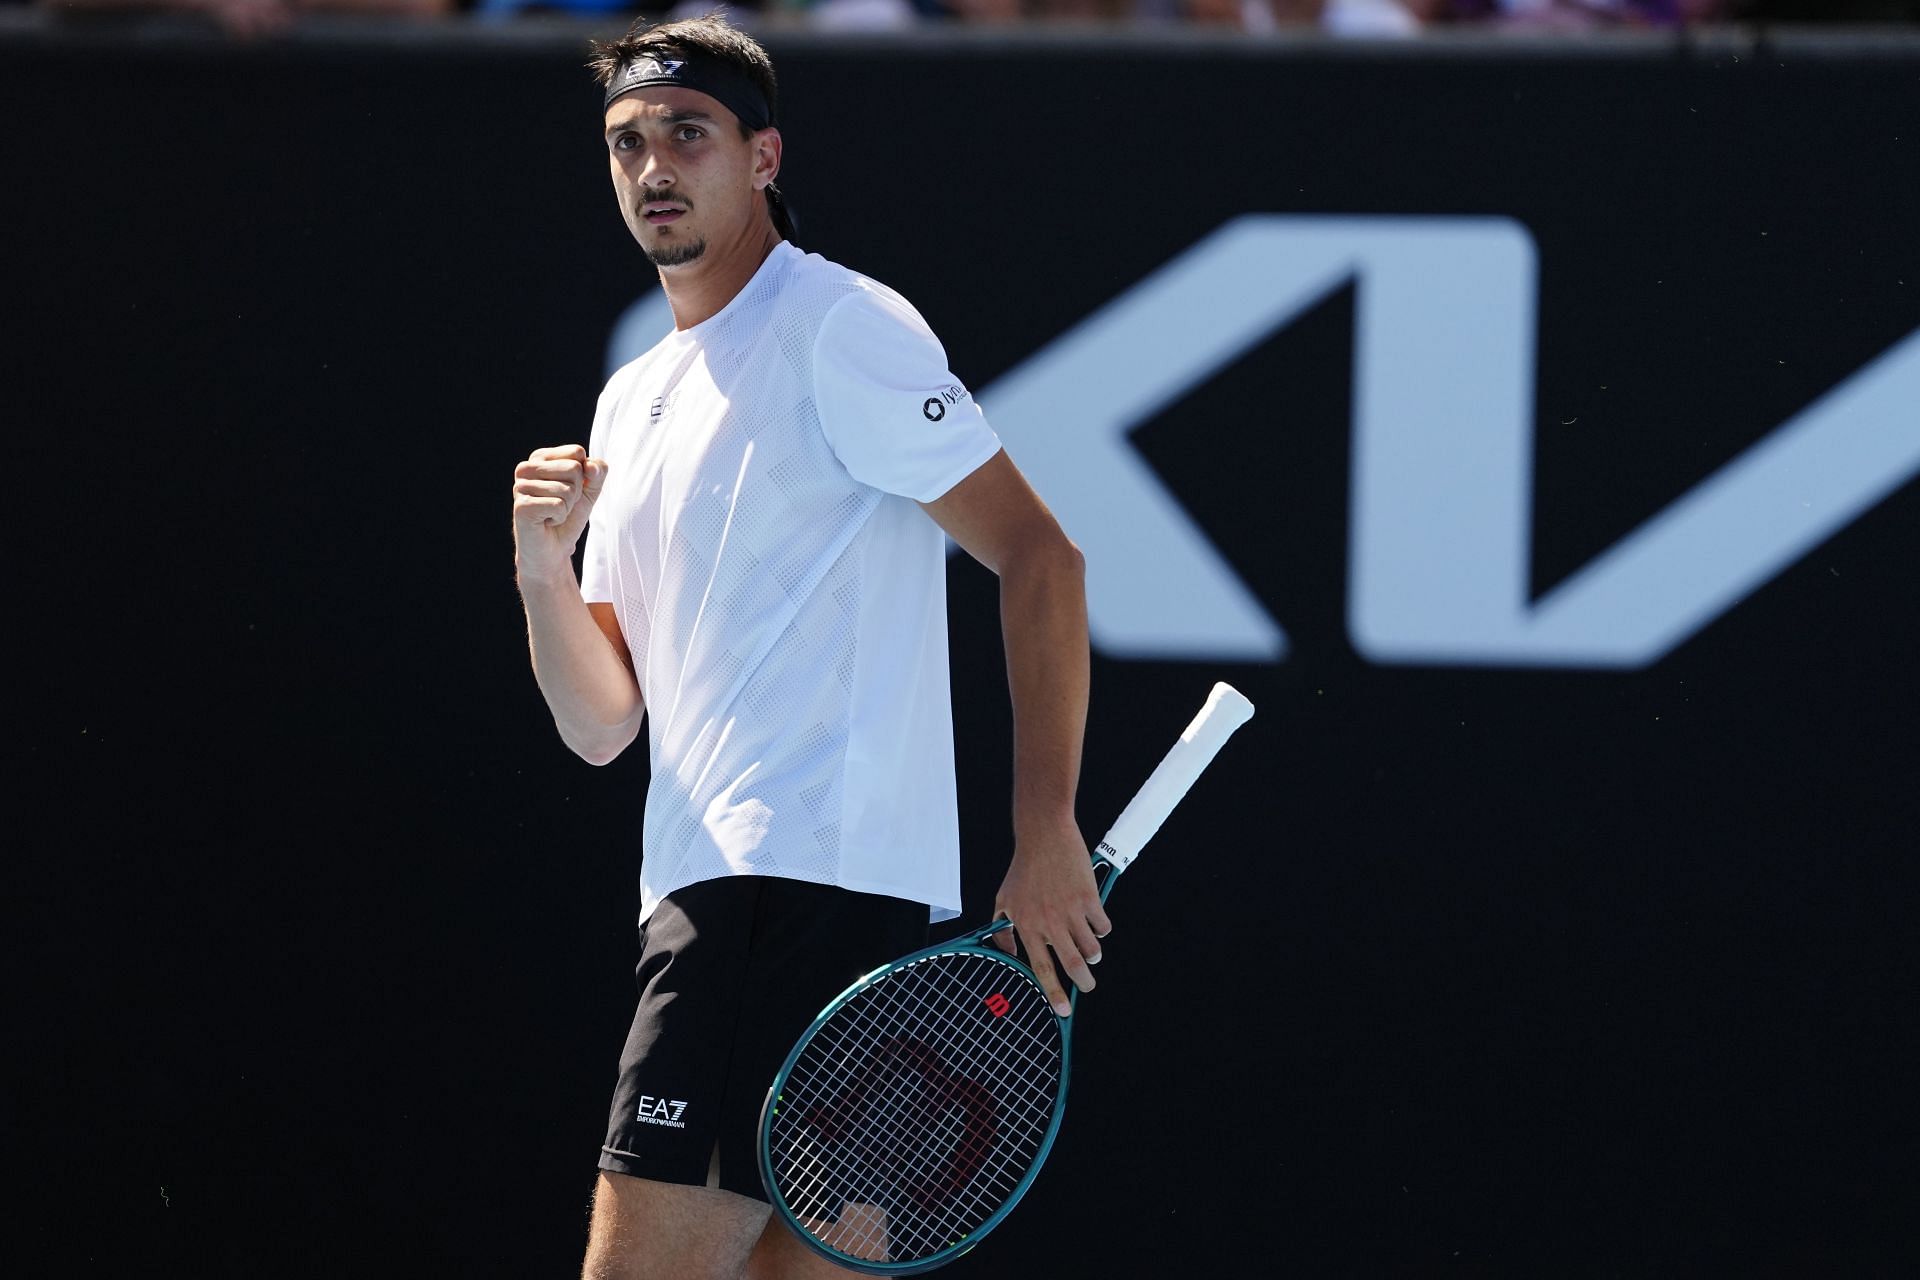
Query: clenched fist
[(553, 491)]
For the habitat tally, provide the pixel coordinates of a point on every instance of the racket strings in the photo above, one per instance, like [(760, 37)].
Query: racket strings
[(926, 1202), (928, 1096), (913, 1086)]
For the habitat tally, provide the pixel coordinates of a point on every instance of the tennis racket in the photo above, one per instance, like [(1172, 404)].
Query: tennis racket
[(916, 1110)]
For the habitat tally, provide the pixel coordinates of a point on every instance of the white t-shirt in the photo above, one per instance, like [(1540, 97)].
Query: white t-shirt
[(783, 596)]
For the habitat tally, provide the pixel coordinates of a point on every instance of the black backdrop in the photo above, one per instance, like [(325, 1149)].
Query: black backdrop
[(1511, 972)]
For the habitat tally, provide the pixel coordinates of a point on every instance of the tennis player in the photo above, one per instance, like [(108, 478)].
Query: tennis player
[(763, 497)]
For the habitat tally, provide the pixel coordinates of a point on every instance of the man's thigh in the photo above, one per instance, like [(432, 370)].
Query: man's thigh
[(779, 1255), (731, 972), (646, 1230)]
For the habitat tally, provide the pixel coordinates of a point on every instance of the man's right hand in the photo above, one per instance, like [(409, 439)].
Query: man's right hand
[(553, 493)]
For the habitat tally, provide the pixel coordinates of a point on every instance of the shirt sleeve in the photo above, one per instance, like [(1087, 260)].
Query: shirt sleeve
[(596, 578), (596, 559), (892, 411)]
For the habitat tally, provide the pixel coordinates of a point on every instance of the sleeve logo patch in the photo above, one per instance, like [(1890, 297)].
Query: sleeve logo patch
[(935, 406)]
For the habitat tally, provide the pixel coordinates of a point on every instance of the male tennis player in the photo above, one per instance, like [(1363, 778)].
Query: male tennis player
[(763, 496)]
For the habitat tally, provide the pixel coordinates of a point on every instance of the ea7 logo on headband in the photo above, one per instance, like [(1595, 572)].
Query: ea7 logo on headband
[(649, 66)]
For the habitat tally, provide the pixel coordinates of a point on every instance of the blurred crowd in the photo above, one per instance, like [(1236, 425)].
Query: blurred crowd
[(1376, 18)]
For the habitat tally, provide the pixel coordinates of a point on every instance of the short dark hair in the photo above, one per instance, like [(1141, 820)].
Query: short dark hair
[(715, 37)]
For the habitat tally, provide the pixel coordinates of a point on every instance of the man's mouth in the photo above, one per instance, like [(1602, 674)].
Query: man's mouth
[(660, 212)]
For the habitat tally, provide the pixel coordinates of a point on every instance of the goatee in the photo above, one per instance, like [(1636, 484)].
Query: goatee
[(675, 255)]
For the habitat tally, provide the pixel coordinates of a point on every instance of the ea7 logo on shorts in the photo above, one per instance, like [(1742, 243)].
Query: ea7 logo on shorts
[(662, 1111)]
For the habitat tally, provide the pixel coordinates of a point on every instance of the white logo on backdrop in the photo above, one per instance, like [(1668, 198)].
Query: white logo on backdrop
[(1442, 479)]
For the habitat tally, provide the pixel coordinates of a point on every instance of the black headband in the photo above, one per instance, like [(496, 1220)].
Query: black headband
[(691, 69)]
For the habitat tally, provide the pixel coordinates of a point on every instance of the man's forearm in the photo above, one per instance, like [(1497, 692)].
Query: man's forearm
[(1043, 614), (595, 702)]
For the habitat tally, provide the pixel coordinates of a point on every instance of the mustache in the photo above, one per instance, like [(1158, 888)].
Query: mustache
[(649, 194)]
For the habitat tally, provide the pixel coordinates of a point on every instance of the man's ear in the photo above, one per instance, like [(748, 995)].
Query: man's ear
[(766, 158)]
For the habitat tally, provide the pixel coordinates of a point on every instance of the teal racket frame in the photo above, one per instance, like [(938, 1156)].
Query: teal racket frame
[(1225, 711), (975, 943)]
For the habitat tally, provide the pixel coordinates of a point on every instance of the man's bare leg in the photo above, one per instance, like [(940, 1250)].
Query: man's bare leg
[(646, 1230), (779, 1255)]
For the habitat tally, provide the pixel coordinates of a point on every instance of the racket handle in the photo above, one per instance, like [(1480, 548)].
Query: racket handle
[(1226, 710)]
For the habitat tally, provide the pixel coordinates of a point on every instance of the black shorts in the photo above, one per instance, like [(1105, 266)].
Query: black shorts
[(731, 972)]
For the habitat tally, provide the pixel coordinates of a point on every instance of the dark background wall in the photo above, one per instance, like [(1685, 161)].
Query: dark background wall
[(1511, 972)]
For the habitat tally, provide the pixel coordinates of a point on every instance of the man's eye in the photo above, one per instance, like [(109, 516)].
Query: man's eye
[(688, 133), (622, 143)]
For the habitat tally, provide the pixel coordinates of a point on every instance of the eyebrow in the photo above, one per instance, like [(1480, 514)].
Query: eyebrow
[(632, 123)]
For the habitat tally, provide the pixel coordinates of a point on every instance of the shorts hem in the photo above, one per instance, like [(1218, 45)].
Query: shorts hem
[(635, 1165)]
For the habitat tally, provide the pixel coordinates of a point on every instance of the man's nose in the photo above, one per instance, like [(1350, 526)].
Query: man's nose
[(654, 170)]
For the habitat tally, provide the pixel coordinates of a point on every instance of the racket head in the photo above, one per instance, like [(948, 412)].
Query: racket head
[(891, 1152)]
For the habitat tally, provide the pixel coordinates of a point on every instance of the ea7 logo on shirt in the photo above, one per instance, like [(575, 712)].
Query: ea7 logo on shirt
[(935, 407), (661, 1111)]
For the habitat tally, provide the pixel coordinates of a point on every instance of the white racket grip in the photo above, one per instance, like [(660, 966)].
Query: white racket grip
[(1226, 710)]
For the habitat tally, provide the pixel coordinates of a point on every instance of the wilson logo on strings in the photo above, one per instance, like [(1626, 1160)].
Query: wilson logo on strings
[(998, 1005)]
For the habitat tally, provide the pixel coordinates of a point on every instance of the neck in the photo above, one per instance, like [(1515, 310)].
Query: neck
[(698, 290)]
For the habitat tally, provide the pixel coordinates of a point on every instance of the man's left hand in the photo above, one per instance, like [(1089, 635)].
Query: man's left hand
[(1050, 895)]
